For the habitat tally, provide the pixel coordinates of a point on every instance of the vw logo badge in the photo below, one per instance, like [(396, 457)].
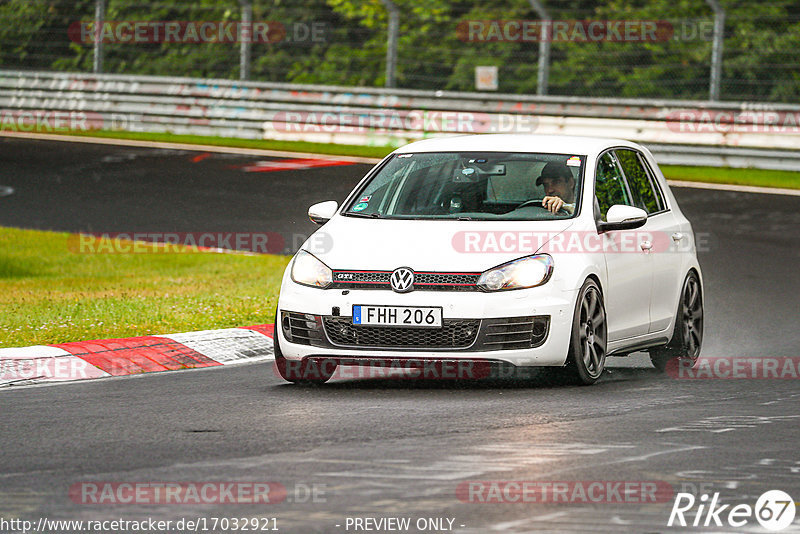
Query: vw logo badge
[(402, 280)]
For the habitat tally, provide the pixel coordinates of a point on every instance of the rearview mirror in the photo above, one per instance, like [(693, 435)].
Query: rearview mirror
[(322, 212), (621, 217)]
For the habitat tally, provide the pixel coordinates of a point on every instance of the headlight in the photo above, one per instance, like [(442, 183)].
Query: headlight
[(309, 271), (518, 274)]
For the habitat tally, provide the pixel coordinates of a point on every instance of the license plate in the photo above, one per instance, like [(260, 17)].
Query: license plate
[(416, 316)]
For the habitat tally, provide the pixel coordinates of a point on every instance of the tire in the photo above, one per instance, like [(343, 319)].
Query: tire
[(307, 372), (687, 334), (586, 357)]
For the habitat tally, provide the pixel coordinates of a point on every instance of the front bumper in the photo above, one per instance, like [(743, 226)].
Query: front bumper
[(546, 306)]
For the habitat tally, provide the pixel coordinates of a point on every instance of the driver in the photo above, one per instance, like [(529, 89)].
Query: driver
[(559, 187)]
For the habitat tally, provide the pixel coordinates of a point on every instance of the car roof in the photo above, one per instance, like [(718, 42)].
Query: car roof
[(555, 144)]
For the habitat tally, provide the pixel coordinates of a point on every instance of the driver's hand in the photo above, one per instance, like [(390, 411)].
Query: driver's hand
[(552, 204)]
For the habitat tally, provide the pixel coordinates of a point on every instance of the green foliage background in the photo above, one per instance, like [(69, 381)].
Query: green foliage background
[(761, 51)]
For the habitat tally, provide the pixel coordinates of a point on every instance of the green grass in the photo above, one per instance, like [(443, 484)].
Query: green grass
[(265, 144), (49, 293), (720, 175), (729, 175)]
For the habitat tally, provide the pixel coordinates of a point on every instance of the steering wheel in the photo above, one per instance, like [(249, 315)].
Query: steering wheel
[(538, 203)]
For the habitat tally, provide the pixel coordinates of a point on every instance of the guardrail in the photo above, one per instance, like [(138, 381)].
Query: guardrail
[(678, 132)]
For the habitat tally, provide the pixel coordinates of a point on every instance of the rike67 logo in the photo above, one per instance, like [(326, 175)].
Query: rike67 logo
[(774, 510)]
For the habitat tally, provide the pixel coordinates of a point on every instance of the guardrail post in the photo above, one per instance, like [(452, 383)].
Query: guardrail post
[(99, 19), (391, 43), (543, 75), (716, 50), (245, 39)]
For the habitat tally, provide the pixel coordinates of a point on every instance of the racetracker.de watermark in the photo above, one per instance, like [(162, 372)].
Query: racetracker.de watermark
[(175, 242), (564, 492), (403, 369), (388, 121), (577, 242), (197, 32), (19, 369), (43, 121), (735, 368), (580, 31), (198, 492), (703, 121)]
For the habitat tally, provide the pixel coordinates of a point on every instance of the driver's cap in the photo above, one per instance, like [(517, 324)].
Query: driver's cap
[(554, 169)]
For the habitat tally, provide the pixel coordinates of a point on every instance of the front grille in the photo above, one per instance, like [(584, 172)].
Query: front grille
[(454, 334), (446, 279), (431, 281), (349, 278), (506, 333), (516, 332)]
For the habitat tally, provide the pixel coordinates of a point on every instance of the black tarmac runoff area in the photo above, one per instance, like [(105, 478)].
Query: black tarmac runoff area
[(377, 455)]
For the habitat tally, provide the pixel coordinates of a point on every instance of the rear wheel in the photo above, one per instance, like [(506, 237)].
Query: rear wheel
[(587, 348), (687, 335)]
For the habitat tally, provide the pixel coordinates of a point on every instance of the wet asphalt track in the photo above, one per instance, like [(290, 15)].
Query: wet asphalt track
[(395, 448)]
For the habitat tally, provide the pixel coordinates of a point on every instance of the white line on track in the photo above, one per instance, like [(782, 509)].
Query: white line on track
[(185, 146), (736, 188)]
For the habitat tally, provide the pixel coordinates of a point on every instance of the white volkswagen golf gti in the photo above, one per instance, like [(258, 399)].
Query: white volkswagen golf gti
[(512, 249)]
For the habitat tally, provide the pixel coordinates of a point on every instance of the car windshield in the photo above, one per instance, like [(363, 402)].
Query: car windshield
[(471, 185)]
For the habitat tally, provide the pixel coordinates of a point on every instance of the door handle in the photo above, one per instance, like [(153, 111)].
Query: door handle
[(646, 246), (677, 236)]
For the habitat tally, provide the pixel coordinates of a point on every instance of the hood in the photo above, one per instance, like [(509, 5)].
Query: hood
[(432, 245)]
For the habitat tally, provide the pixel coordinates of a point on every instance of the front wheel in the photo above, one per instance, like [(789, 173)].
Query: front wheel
[(587, 348), (687, 335)]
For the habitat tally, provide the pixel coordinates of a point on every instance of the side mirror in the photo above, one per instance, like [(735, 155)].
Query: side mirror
[(620, 217), (322, 212)]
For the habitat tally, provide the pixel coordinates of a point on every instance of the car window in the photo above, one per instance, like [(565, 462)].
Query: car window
[(517, 185), (640, 183), (457, 185), (609, 185)]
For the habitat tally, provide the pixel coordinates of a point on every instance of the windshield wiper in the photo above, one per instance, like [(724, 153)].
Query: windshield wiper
[(363, 215)]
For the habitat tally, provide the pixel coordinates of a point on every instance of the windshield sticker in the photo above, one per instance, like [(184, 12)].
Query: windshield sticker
[(405, 155), (574, 161), (365, 198), (467, 171), (361, 206)]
